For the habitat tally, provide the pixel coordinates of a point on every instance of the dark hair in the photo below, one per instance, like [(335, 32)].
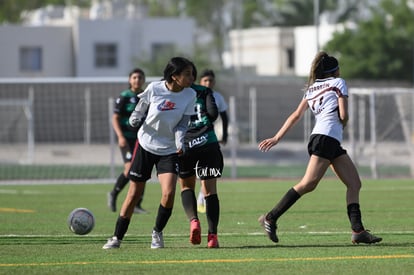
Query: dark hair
[(176, 65), (135, 71), (323, 65), (194, 70), (329, 64), (208, 72)]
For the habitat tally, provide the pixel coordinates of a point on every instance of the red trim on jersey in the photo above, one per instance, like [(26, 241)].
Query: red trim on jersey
[(335, 89), (135, 150)]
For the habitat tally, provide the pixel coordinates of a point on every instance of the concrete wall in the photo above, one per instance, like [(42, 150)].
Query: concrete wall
[(262, 50), (55, 42), (70, 51)]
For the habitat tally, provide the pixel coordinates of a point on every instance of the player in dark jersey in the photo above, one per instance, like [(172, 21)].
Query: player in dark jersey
[(127, 135), (202, 158), (208, 79)]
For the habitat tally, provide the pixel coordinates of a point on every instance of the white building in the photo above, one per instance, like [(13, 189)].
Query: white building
[(111, 47), (45, 51), (88, 48), (112, 37), (277, 51)]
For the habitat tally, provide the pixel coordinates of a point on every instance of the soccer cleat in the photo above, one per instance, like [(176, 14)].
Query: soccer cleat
[(111, 201), (364, 237), (195, 232), (140, 210), (112, 243), (269, 227), (212, 241), (157, 240)]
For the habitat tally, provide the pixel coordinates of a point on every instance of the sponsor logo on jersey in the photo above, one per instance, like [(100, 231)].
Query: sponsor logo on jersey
[(206, 172), (197, 141), (166, 106)]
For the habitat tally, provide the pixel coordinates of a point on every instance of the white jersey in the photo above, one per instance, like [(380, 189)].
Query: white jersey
[(322, 97), (166, 109), (220, 102)]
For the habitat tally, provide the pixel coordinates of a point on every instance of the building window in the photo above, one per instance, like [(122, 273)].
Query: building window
[(31, 59), (290, 58), (161, 51), (106, 55)]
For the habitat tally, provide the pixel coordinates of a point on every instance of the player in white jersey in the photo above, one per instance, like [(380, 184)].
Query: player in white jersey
[(208, 79), (327, 97), (162, 115)]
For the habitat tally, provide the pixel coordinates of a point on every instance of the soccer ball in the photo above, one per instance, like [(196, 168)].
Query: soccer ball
[(81, 221)]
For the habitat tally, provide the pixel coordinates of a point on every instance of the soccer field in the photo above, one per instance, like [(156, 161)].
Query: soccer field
[(314, 234)]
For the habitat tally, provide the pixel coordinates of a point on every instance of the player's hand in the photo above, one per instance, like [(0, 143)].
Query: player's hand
[(266, 144), (122, 142), (222, 142)]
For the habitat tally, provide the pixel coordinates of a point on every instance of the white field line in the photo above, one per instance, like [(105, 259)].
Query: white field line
[(186, 235)]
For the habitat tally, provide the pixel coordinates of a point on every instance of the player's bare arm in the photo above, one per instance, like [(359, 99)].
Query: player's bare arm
[(118, 131), (343, 110), (266, 144)]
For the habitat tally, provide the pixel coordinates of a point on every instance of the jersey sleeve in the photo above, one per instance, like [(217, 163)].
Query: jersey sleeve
[(119, 104), (211, 106), (190, 106), (343, 87), (220, 102), (145, 96)]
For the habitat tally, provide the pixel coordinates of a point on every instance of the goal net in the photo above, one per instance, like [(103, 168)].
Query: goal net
[(59, 129), (381, 130), (17, 130)]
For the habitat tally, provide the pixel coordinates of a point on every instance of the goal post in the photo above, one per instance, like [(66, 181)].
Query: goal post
[(381, 130), (18, 114), (58, 129)]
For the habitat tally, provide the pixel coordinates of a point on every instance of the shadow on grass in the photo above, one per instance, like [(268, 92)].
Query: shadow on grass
[(275, 246)]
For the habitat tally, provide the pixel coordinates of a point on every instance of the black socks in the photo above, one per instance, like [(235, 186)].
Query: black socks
[(121, 227), (284, 204), (212, 213), (163, 216), (120, 184), (354, 215), (189, 202)]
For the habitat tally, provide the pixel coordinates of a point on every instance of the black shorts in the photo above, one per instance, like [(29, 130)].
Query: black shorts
[(143, 162), (325, 147), (128, 150), (205, 163)]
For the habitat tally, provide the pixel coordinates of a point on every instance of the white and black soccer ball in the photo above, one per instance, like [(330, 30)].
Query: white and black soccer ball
[(81, 221)]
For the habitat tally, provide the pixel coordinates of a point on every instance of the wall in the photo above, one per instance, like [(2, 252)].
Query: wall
[(69, 51), (56, 44)]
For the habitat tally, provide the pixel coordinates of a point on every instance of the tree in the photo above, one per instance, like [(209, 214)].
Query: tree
[(298, 12), (210, 17), (381, 47), (10, 10)]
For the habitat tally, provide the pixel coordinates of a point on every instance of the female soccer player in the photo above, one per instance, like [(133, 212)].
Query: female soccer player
[(127, 136), (163, 111), (202, 159), (208, 79), (327, 97)]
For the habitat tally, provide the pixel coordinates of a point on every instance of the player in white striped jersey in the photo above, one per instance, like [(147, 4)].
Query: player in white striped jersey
[(327, 97)]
